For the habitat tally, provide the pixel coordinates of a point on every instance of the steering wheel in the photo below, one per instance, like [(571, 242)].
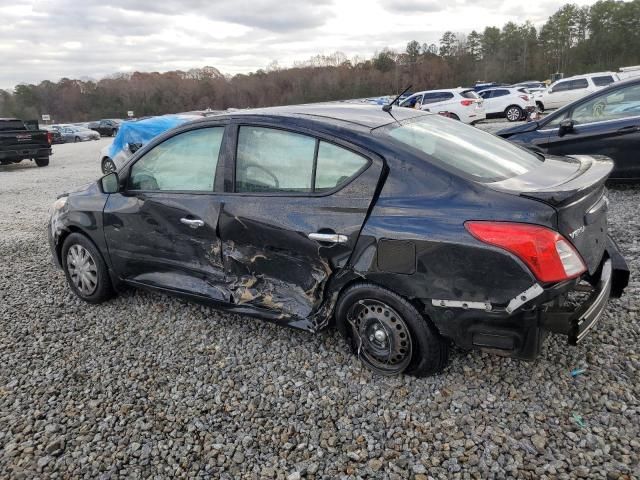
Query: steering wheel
[(598, 108), (144, 180), (267, 172)]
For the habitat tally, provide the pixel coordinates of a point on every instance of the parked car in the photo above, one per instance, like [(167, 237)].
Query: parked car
[(78, 134), (606, 122), (512, 103), (571, 89), (134, 134), (462, 104), (407, 232), (17, 143), (106, 128), (56, 136)]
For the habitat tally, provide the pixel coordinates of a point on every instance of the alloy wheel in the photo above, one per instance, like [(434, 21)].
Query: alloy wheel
[(513, 114), (82, 269), (382, 337)]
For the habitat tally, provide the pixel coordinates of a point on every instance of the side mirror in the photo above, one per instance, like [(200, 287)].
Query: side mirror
[(566, 126), (134, 147), (110, 183)]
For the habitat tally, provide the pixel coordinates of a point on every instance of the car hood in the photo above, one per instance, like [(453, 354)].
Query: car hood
[(522, 128)]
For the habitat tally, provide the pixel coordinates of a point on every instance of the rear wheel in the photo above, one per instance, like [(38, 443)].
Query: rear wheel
[(85, 269), (108, 166), (540, 106), (42, 162), (77, 139), (514, 113), (454, 116), (388, 334)]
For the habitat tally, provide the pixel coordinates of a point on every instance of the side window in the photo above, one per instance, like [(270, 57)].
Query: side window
[(184, 162), (560, 87), (335, 166), (271, 160), (602, 81), (444, 96), (622, 103), (430, 98), (485, 95), (500, 93), (409, 102), (579, 84)]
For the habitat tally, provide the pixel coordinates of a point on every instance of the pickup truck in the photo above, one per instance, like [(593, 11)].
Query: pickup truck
[(23, 140)]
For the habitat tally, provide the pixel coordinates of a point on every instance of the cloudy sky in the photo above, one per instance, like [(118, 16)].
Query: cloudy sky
[(51, 39)]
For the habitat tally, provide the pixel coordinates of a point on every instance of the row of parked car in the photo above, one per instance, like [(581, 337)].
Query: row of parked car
[(84, 131)]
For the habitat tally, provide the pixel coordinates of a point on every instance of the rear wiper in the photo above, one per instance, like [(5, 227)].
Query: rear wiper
[(387, 108)]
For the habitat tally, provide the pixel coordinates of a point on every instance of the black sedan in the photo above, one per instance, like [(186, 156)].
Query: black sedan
[(106, 128), (407, 231), (606, 122)]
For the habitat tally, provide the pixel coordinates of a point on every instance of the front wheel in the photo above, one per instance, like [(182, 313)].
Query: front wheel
[(540, 106), (76, 140), (514, 113), (108, 166), (85, 269), (114, 132), (42, 162), (388, 334)]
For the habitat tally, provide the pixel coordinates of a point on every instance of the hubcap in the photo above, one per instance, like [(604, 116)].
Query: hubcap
[(82, 269), (513, 114), (382, 337), (108, 166)]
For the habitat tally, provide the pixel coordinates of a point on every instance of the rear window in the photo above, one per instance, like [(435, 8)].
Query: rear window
[(12, 125), (602, 81), (470, 94), (466, 150), (578, 84)]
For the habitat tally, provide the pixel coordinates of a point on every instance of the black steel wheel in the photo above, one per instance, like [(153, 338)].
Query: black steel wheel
[(388, 334)]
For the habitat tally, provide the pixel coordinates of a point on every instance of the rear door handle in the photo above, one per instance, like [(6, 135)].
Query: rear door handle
[(192, 222), (328, 237)]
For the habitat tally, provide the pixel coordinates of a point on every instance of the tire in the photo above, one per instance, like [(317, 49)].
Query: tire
[(540, 106), (107, 165), (454, 116), (87, 277), (366, 310), (513, 113), (42, 162), (114, 132), (76, 140)]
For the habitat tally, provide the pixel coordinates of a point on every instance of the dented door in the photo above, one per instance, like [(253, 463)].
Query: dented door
[(280, 248), (161, 230)]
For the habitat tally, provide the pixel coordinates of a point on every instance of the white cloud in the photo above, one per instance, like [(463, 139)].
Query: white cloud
[(48, 40)]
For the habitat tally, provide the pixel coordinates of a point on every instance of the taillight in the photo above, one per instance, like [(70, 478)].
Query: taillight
[(50, 138), (524, 97), (466, 103), (548, 254)]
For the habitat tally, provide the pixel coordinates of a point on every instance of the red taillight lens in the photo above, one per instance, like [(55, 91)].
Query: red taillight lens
[(50, 138), (466, 103), (524, 97), (548, 254)]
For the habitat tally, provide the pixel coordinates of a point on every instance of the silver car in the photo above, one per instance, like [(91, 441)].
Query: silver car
[(78, 134)]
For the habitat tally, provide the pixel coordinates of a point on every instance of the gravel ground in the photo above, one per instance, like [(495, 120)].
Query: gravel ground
[(151, 386)]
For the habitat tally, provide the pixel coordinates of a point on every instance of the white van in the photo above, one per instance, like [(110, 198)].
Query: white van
[(570, 89)]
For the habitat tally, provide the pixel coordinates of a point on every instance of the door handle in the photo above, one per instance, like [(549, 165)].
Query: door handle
[(192, 222), (328, 237)]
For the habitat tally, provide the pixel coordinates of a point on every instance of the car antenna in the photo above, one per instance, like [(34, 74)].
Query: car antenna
[(387, 108)]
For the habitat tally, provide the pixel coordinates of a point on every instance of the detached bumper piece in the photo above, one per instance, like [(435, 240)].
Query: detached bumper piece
[(577, 323)]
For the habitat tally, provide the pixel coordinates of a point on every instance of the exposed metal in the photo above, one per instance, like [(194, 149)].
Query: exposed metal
[(486, 306), (526, 296)]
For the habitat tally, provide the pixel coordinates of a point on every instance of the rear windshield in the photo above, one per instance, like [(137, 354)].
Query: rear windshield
[(469, 94), (466, 150), (12, 125)]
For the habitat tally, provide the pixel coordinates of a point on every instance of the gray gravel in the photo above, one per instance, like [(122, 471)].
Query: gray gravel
[(148, 386)]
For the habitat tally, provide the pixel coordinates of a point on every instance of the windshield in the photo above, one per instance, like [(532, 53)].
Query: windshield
[(468, 151)]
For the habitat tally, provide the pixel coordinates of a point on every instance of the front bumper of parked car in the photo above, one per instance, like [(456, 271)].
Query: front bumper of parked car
[(520, 334)]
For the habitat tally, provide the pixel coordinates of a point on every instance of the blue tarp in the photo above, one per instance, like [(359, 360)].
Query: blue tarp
[(142, 131)]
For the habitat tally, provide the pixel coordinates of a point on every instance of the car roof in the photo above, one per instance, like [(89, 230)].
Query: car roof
[(363, 115), (498, 88), (586, 75)]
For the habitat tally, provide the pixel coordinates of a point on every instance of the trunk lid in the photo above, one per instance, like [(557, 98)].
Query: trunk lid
[(575, 187)]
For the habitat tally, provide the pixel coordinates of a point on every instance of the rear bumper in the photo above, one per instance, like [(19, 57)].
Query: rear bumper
[(11, 155), (520, 334)]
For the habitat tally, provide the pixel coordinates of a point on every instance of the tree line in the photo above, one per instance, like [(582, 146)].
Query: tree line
[(603, 36)]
